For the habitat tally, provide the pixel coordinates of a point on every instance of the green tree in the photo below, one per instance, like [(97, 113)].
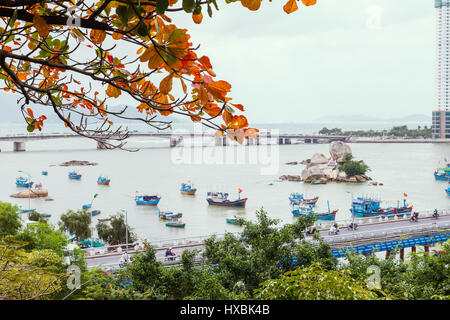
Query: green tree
[(314, 283), (76, 222), (10, 221), (114, 231), (351, 167), (41, 235)]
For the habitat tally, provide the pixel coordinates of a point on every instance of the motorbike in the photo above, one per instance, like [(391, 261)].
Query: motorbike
[(352, 226), (414, 217), (333, 232), (435, 214)]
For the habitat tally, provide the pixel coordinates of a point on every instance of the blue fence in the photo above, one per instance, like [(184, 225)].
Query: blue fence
[(339, 253)]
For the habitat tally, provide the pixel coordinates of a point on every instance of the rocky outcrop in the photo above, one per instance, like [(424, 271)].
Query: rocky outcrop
[(311, 173), (319, 158), (338, 149), (292, 163), (77, 163), (290, 178), (32, 193)]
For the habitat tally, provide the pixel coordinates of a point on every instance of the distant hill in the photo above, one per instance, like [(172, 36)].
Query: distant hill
[(364, 118)]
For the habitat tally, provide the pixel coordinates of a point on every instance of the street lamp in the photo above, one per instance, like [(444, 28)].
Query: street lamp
[(92, 229), (29, 188), (126, 228)]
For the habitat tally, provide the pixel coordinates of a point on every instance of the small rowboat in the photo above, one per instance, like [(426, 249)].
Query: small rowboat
[(234, 221), (169, 215), (306, 201), (74, 175), (45, 215), (95, 212), (24, 182), (103, 181), (87, 206), (22, 210), (175, 224), (44, 172)]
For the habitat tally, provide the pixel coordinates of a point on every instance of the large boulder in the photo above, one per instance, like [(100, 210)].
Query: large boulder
[(313, 172), (319, 158), (338, 149)]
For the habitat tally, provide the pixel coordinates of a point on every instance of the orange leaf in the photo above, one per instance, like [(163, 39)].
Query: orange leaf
[(290, 6), (239, 106), (309, 2), (117, 36), (251, 4), (218, 89), (165, 85), (30, 112), (97, 36), (227, 117), (112, 91), (41, 25)]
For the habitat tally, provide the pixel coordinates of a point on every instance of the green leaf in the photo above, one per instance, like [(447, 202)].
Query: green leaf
[(122, 11), (142, 29), (209, 11), (198, 9), (13, 18), (188, 5), (161, 6)]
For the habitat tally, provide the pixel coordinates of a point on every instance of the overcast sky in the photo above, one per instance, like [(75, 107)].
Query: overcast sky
[(372, 57)]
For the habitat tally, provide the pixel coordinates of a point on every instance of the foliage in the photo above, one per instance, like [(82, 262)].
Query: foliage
[(113, 231), (36, 216), (28, 275), (41, 235), (351, 167), (67, 55), (76, 222), (399, 131), (10, 221), (314, 283)]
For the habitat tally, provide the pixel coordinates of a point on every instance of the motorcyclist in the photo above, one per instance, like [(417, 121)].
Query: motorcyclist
[(311, 230), (415, 216), (334, 228), (124, 259), (170, 254), (435, 213)]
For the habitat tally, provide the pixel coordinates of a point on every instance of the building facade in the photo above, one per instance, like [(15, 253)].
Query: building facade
[(441, 115)]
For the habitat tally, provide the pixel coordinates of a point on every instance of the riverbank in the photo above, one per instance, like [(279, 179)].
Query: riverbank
[(380, 140)]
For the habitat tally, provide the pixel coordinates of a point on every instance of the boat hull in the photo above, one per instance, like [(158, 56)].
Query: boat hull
[(234, 221), (385, 212), (441, 177), (317, 216), (188, 192), (168, 216), (106, 183), (175, 225), (152, 202), (227, 203)]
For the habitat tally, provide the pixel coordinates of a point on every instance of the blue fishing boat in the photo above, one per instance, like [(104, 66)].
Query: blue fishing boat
[(175, 223), (235, 220), (295, 197), (44, 172), (168, 215), (146, 200), (87, 206), (24, 182), (74, 175), (45, 215), (307, 210), (442, 174), (103, 180), (188, 188), (448, 189), (368, 207)]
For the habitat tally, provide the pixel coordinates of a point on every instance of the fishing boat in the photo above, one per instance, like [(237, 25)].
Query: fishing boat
[(24, 182), (235, 220), (23, 210), (175, 223), (221, 199), (442, 174), (74, 175), (103, 181), (87, 206), (168, 215), (295, 197), (307, 210), (311, 201), (369, 207), (188, 188), (44, 172), (95, 212), (146, 200), (448, 189)]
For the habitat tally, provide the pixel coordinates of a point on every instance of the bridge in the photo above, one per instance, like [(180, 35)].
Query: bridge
[(176, 138), (372, 235)]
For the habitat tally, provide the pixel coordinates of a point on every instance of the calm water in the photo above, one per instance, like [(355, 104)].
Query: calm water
[(402, 168)]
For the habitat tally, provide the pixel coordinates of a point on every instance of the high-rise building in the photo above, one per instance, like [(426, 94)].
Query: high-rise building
[(441, 114)]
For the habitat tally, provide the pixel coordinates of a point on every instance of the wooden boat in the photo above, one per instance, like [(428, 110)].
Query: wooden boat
[(235, 220), (103, 181), (221, 199), (295, 197), (175, 223), (24, 182), (74, 175), (95, 212), (168, 215), (367, 207), (307, 210), (188, 188), (146, 200), (442, 174)]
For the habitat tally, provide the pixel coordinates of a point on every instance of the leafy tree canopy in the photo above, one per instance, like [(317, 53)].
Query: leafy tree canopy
[(10, 221)]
